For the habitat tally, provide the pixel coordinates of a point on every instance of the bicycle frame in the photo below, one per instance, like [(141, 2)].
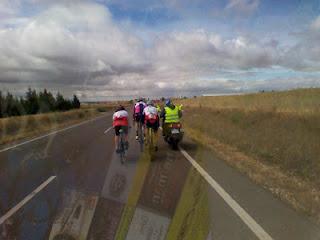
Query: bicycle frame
[(121, 146), (150, 137), (140, 135)]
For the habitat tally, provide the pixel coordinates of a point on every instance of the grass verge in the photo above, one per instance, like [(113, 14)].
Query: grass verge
[(277, 147), (16, 128)]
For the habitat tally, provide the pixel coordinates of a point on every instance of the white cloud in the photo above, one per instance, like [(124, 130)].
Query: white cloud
[(201, 51), (305, 55), (69, 44), (81, 48), (315, 25), (243, 6)]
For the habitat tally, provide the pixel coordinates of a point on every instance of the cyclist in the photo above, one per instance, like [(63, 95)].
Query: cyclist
[(138, 115), (120, 121), (170, 114), (151, 117), (158, 107)]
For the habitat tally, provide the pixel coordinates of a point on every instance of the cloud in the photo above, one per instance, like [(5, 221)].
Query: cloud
[(8, 8), (315, 25), (244, 7), (69, 44), (81, 48), (202, 52), (305, 54)]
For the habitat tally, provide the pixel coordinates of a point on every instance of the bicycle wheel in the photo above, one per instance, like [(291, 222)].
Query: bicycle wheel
[(141, 136), (151, 138), (122, 148), (122, 154), (151, 146)]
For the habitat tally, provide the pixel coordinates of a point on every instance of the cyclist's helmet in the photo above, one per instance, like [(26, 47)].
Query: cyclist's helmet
[(150, 103), (120, 108), (168, 102), (141, 99)]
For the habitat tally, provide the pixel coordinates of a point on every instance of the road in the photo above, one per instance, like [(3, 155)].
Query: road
[(83, 191)]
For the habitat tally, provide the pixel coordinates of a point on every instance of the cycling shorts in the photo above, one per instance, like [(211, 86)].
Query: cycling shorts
[(138, 118), (117, 130), (154, 126)]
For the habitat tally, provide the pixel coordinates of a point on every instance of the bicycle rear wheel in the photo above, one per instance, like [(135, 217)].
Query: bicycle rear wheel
[(141, 136), (151, 146), (122, 148)]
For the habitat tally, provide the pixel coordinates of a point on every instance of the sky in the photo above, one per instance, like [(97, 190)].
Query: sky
[(110, 49)]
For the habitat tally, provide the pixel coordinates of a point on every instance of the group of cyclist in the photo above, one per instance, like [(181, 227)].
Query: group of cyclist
[(146, 115)]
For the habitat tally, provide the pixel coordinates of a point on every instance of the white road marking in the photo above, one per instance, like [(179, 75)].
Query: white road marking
[(106, 131), (49, 134), (25, 200), (245, 217)]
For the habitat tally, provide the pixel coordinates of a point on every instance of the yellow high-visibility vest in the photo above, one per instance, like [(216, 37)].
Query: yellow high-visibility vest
[(172, 115)]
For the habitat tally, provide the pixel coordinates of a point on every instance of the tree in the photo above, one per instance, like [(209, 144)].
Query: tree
[(75, 102), (62, 104), (1, 105), (34, 103), (46, 101), (59, 102), (31, 104)]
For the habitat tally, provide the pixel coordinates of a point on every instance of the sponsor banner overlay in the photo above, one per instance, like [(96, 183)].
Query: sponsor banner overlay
[(129, 209), (106, 219), (191, 220), (163, 184), (147, 225), (75, 216)]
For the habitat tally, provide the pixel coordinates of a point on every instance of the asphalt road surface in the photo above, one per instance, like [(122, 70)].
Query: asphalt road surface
[(71, 185)]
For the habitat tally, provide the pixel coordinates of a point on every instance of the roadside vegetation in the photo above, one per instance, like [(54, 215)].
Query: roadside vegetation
[(273, 137), (39, 113), (21, 127), (34, 103)]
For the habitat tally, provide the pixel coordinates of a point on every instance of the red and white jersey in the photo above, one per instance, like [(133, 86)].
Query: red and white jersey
[(120, 118), (150, 113)]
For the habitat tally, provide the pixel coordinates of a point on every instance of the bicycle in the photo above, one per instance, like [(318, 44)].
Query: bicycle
[(140, 135), (151, 140), (121, 147)]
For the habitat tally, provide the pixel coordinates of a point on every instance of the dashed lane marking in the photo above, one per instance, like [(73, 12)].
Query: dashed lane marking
[(49, 134), (16, 208), (106, 131)]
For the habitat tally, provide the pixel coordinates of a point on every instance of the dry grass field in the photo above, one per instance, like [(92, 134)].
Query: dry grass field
[(280, 130), (298, 101), (16, 128)]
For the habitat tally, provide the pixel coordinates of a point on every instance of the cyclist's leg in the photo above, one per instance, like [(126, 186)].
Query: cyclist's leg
[(163, 127), (125, 133), (155, 135), (116, 136), (143, 127), (135, 122), (116, 141), (151, 135), (140, 128), (146, 132)]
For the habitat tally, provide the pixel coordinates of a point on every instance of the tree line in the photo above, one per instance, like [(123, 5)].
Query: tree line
[(35, 102)]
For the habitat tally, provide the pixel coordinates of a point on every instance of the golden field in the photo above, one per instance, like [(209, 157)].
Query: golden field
[(16, 128), (272, 137)]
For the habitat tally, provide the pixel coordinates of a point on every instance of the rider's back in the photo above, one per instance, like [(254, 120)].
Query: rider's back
[(120, 118), (138, 108)]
